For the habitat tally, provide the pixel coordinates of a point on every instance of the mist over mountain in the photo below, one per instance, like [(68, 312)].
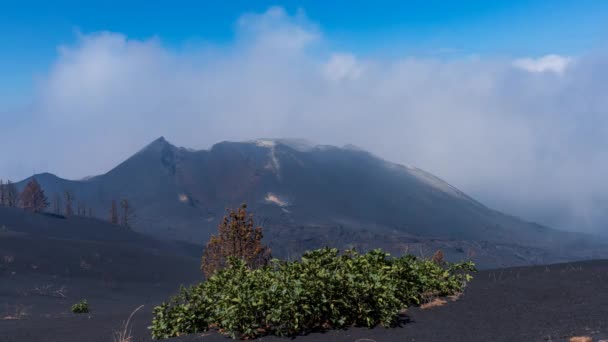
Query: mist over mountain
[(518, 130), (307, 196)]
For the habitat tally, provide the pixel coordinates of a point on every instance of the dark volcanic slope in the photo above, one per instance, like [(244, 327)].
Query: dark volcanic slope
[(541, 303), (309, 196), (48, 263), (80, 247)]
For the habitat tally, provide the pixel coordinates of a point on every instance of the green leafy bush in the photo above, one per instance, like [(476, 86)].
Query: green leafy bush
[(81, 307), (324, 290)]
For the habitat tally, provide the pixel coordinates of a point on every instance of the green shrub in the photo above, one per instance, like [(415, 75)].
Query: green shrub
[(324, 290), (81, 307)]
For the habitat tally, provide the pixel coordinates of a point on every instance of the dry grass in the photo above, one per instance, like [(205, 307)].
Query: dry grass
[(124, 335), (454, 297), (49, 290), (433, 303), (581, 339), (8, 259), (431, 300), (85, 265), (16, 313)]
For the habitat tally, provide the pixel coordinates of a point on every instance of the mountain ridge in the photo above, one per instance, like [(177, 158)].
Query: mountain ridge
[(300, 192)]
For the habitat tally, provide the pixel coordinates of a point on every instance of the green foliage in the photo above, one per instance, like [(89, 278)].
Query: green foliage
[(324, 290), (81, 307)]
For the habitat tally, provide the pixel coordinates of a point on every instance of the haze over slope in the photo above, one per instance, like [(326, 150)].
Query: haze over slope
[(304, 194)]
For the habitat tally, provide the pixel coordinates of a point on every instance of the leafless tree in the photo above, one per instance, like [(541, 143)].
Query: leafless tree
[(239, 237), (113, 213), (57, 203), (11, 193), (2, 193), (69, 199), (128, 214), (33, 198), (81, 209)]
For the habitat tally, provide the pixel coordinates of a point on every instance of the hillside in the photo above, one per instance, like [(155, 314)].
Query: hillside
[(48, 263), (309, 195), (53, 246)]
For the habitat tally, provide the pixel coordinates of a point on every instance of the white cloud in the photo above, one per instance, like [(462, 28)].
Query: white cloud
[(342, 66), (529, 143), (275, 27), (548, 63)]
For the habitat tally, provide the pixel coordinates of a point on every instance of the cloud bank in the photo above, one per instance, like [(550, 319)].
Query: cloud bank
[(526, 135), (548, 63)]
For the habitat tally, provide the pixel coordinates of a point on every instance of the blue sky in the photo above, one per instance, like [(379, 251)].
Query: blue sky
[(32, 30)]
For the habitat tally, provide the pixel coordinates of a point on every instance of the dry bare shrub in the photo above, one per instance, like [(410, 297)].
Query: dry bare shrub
[(581, 339), (85, 265), (237, 237), (125, 335), (455, 297), (433, 303), (438, 257), (471, 253), (6, 261), (49, 290), (18, 311)]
